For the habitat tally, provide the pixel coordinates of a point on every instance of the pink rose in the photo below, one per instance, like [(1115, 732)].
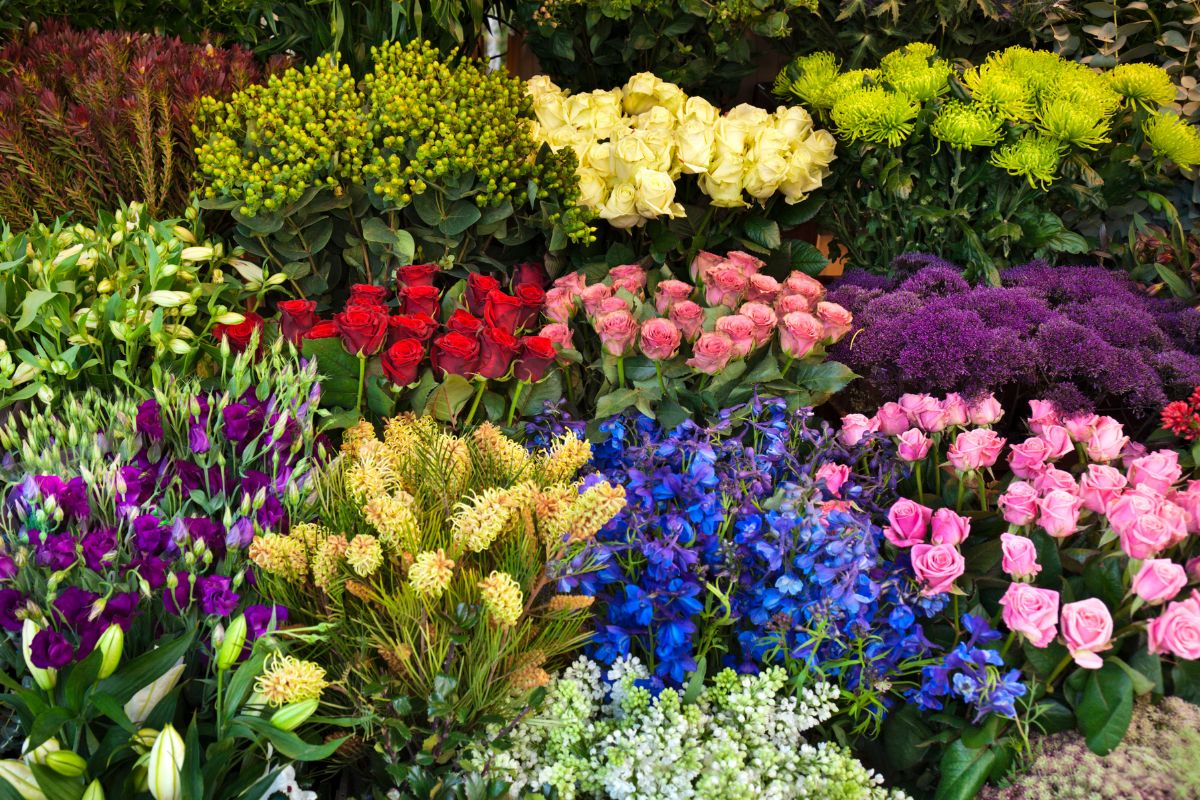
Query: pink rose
[(799, 334), (1081, 426), (1189, 501), (764, 289), (560, 305), (1058, 441), (913, 445), (689, 317), (1042, 413), (907, 523), (949, 527), (956, 410), (1052, 478), (788, 303), (1193, 568), (702, 263), (1019, 503), (1132, 452), (834, 475), (559, 335), (1157, 471), (740, 331), (986, 411), (617, 331), (747, 263), (1059, 513), (1100, 486), (1146, 523), (892, 419), (725, 285), (975, 449), (630, 277), (1107, 440), (1087, 628), (1176, 518), (670, 292), (1159, 580), (574, 282), (854, 428), (711, 353), (593, 296), (806, 286), (937, 567), (764, 320), (1028, 459), (610, 304), (1146, 537), (837, 320), (1020, 557), (1031, 612), (917, 404), (1177, 630), (660, 339)]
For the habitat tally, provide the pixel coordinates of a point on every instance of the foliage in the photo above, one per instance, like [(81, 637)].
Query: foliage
[(433, 156), (738, 736), (189, 19), (121, 304), (91, 119), (1020, 157)]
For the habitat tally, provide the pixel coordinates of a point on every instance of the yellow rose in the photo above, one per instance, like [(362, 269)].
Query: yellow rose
[(640, 93), (596, 112), (768, 143), (803, 176), (540, 85), (731, 135), (631, 152), (697, 108), (793, 122), (598, 156), (752, 115), (550, 111), (656, 119), (670, 97), (694, 141), (593, 188), (822, 145), (656, 195), (662, 146), (567, 136), (723, 183), (765, 175), (621, 207)]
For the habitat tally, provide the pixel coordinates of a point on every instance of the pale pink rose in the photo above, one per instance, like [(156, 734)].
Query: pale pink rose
[(1100, 487), (611, 304), (949, 527), (799, 334), (617, 331), (837, 320), (1052, 478), (1177, 630), (1031, 612), (913, 445), (725, 285), (660, 339), (559, 335), (764, 289), (593, 296), (834, 475), (1058, 441), (670, 292), (937, 567), (560, 305), (1087, 629), (574, 282), (788, 303), (630, 277), (1042, 412), (1058, 513), (764, 320), (855, 427), (746, 262), (702, 263), (892, 419), (689, 317), (1193, 568), (711, 353), (986, 411), (958, 413), (1146, 536), (1157, 471), (1107, 441), (918, 405), (1020, 557), (1081, 426), (1019, 503), (805, 285), (975, 449), (1028, 459), (1176, 518), (1189, 501), (908, 522), (740, 330), (1159, 580)]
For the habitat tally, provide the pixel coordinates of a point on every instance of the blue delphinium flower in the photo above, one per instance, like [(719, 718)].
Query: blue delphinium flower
[(971, 673)]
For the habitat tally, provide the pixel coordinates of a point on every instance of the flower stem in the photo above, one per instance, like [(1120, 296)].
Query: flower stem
[(1057, 671), (621, 372), (962, 485), (512, 407), (982, 489), (918, 468), (475, 402), (362, 379), (661, 384)]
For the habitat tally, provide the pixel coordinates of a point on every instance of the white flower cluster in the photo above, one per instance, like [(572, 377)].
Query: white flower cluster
[(633, 143), (741, 739)]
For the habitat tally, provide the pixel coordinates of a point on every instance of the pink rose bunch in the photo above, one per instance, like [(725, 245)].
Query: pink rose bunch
[(1086, 625), (937, 563)]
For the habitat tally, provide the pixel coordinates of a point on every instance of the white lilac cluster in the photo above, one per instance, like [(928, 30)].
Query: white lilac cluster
[(604, 736)]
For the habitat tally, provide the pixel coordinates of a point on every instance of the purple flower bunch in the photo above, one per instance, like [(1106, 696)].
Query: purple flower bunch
[(1084, 337)]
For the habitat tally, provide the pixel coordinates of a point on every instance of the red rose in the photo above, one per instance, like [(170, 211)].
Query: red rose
[(502, 311), (478, 289), (362, 328), (420, 327), (455, 354), (530, 273), (532, 298), (402, 361), (365, 294), (416, 275), (537, 354), (239, 335), (497, 349), (463, 322), (420, 300), (296, 318), (325, 329)]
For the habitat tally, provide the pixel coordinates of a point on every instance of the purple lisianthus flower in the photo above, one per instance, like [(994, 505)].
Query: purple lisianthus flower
[(258, 618), (71, 495), (177, 599), (240, 534), (152, 569), (198, 438), (98, 548), (216, 596), (50, 650), (139, 485), (238, 418), (121, 609), (56, 551), (8, 567), (191, 476), (208, 531), (10, 601), (74, 605), (149, 420), (150, 536)]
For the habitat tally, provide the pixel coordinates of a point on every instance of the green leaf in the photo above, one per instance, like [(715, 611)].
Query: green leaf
[(1150, 666), (286, 742), (191, 777), (145, 669), (32, 304), (822, 379), (1103, 578), (448, 398), (1141, 683), (1106, 707), (763, 232), (243, 678), (695, 683), (903, 735), (463, 215), (376, 230), (963, 771), (107, 705), (1185, 681), (55, 786), (803, 256), (1044, 659), (46, 725), (1054, 717), (615, 402)]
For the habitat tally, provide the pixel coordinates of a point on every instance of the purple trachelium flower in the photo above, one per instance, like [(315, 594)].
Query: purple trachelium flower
[(50, 650), (215, 595)]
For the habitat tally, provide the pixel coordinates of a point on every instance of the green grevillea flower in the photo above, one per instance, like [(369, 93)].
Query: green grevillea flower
[(810, 78), (1142, 84), (1032, 157), (1173, 139), (876, 115), (916, 70), (966, 125)]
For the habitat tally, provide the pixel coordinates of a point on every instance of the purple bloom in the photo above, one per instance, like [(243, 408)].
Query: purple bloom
[(149, 420), (50, 650), (205, 530), (216, 596), (74, 605), (151, 568), (240, 534), (10, 601), (150, 536), (177, 599), (70, 495), (121, 609), (8, 567), (99, 547), (56, 551), (198, 438), (239, 419), (258, 619)]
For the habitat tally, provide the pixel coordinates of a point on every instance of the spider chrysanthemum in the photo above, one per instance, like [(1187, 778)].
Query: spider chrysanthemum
[(916, 70), (966, 125), (809, 78), (1173, 139), (1000, 91), (1145, 85), (1035, 158), (875, 115)]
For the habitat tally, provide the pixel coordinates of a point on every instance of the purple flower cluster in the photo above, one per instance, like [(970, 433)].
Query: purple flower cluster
[(1083, 337)]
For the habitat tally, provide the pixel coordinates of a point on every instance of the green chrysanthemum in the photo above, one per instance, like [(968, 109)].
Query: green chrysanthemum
[(1142, 84), (1032, 157), (1000, 91), (916, 70), (1039, 70), (876, 115), (810, 79), (1174, 140), (966, 125), (1074, 122)]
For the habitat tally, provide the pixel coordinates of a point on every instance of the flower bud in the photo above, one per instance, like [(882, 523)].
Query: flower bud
[(39, 753), (143, 740), (231, 647), (44, 678), (111, 646), (66, 763), (166, 762), (193, 254), (143, 702), (19, 776), (183, 234), (94, 791), (293, 715)]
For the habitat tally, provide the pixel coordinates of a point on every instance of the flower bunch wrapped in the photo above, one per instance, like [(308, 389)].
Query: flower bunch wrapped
[(432, 556), (695, 346)]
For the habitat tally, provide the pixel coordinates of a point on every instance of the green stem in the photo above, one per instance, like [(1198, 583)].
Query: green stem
[(982, 489), (621, 372), (362, 379), (962, 485), (1058, 671), (512, 407), (661, 384), (1007, 643), (475, 402), (918, 469)]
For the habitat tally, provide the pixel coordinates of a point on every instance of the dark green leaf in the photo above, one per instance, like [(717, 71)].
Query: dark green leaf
[(1106, 707), (145, 669), (903, 735), (963, 771)]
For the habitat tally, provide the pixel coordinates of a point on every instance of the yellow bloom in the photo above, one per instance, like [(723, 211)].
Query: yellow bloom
[(1146, 85), (1032, 157), (502, 453), (364, 555), (594, 508), (356, 435), (392, 516), (287, 679), (502, 598), (431, 573), (326, 559), (966, 125), (565, 457), (475, 525), (566, 603), (284, 556), (1173, 139)]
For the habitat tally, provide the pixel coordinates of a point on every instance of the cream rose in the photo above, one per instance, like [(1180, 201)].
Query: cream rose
[(640, 93), (694, 141), (621, 207), (723, 183), (656, 195), (793, 122), (598, 157), (753, 116), (630, 153), (699, 109), (593, 188), (731, 136), (656, 119), (765, 175)]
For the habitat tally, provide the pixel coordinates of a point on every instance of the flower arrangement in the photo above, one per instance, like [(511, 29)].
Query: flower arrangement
[(917, 132)]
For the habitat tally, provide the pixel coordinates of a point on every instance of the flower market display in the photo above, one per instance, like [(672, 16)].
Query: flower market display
[(584, 400)]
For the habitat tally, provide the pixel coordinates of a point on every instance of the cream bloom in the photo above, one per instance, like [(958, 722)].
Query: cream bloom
[(793, 122), (593, 188), (621, 207), (597, 112), (731, 136), (723, 183), (550, 111), (697, 108), (752, 115), (540, 85), (765, 175), (598, 157), (656, 195), (640, 92), (630, 153), (656, 119), (694, 141)]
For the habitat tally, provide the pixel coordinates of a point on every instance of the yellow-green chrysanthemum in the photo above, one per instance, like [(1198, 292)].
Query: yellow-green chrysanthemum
[(1074, 123), (966, 125), (1032, 157), (876, 115), (1039, 70), (289, 680), (809, 78), (1000, 91), (1142, 84), (502, 598), (916, 70), (1173, 139)]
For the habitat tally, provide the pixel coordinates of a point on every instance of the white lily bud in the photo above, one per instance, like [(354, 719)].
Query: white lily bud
[(168, 299), (19, 776), (166, 762), (140, 706), (193, 254)]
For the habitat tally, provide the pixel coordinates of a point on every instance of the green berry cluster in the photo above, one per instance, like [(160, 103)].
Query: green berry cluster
[(440, 121), (271, 142)]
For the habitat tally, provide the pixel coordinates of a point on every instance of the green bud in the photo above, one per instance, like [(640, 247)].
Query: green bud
[(94, 791), (111, 645), (231, 647), (293, 715), (66, 763)]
